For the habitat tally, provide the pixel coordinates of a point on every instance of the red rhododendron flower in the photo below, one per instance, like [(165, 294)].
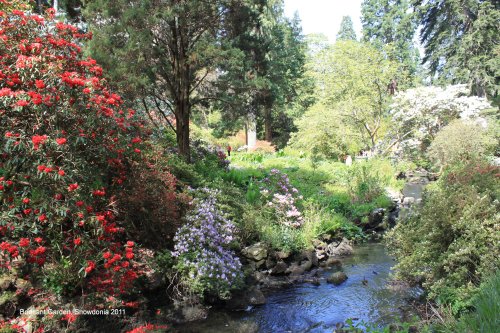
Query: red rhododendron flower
[(77, 241), (72, 187), (38, 140), (42, 218), (22, 102), (90, 266), (24, 242), (130, 244), (99, 193), (5, 92), (61, 172), (39, 250), (61, 141), (26, 201), (38, 240), (39, 84), (41, 168)]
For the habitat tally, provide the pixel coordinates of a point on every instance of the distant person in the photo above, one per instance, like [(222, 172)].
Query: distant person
[(229, 148)]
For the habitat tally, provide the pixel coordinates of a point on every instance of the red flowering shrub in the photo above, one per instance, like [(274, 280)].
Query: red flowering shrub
[(66, 149)]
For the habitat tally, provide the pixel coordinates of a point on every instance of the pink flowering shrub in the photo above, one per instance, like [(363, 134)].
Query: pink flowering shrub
[(282, 198)]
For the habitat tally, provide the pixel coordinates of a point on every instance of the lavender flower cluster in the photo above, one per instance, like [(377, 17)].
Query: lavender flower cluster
[(283, 198), (201, 247)]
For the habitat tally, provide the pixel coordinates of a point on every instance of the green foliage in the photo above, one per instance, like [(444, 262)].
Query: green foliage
[(280, 237), (460, 142), (450, 244), (322, 133), (392, 24), (346, 31), (352, 80), (461, 42), (320, 221), (334, 194), (164, 260), (485, 316), (266, 79), (364, 183)]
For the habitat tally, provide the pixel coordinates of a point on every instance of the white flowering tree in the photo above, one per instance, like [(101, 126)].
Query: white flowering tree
[(418, 114)]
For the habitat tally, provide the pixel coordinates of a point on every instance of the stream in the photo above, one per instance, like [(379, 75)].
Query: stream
[(367, 296)]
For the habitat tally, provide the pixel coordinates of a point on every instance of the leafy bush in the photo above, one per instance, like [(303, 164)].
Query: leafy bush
[(485, 315), (364, 184), (67, 145), (323, 134), (201, 249), (451, 243), (150, 205), (319, 221), (460, 142)]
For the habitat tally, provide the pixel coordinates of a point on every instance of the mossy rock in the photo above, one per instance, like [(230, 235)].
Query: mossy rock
[(337, 278)]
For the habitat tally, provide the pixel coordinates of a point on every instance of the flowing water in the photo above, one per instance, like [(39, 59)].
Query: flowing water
[(368, 295)]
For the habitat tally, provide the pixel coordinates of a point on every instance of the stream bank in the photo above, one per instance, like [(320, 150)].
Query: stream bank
[(368, 295)]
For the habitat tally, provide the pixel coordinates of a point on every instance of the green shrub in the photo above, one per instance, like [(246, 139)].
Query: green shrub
[(451, 243), (253, 193), (281, 237), (460, 142), (319, 221), (485, 316), (364, 184)]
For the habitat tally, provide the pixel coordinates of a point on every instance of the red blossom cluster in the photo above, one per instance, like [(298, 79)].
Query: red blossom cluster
[(148, 328), (66, 147)]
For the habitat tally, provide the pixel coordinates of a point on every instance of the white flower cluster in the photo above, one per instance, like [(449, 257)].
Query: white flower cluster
[(418, 114)]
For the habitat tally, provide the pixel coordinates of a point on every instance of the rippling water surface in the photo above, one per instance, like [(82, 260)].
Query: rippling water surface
[(367, 296)]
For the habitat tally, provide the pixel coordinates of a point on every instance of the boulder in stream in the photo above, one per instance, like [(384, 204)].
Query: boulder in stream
[(376, 218), (332, 262), (337, 278), (241, 299), (339, 249)]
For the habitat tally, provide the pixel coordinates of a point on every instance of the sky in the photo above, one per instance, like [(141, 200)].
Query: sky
[(324, 16)]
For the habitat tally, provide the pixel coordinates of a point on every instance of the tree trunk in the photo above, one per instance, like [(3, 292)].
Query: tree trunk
[(182, 111), (268, 124)]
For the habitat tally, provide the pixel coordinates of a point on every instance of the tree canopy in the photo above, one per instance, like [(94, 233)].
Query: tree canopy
[(392, 23), (346, 31), (461, 42)]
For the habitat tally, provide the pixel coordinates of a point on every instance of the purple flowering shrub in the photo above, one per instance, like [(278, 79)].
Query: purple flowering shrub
[(282, 198), (202, 249)]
